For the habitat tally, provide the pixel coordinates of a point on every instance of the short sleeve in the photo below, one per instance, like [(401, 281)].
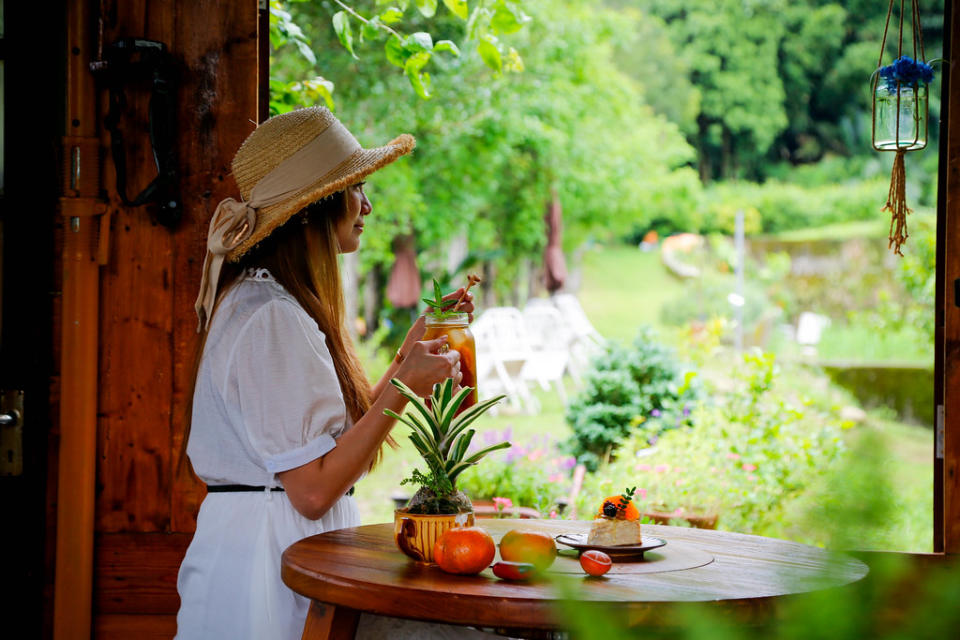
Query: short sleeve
[(290, 400)]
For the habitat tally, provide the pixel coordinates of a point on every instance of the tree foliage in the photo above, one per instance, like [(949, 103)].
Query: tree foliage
[(491, 145), (781, 80)]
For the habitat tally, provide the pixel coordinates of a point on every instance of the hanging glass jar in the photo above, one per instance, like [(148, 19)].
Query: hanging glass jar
[(900, 118)]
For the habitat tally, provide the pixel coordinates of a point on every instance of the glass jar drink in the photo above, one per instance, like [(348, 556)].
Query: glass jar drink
[(459, 337)]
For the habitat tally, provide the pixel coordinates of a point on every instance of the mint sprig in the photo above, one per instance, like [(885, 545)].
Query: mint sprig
[(625, 498), (438, 303)]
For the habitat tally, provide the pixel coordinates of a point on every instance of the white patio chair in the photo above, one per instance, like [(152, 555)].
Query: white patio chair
[(586, 341), (550, 338), (503, 351)]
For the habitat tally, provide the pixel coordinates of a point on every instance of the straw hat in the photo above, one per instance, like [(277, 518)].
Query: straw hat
[(344, 162)]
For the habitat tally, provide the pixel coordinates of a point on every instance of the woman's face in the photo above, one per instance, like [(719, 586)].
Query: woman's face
[(349, 229)]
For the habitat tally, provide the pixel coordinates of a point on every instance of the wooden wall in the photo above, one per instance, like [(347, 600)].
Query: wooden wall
[(145, 504)]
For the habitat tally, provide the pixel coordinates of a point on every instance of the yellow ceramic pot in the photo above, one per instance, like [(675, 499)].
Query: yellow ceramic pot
[(415, 534)]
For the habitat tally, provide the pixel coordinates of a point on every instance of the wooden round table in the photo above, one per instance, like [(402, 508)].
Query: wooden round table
[(357, 570)]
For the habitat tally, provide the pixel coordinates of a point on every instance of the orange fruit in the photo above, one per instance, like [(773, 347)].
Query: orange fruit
[(595, 563), (464, 550), (630, 513), (538, 549)]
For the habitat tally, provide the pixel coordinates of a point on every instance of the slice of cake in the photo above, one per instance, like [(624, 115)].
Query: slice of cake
[(617, 522)]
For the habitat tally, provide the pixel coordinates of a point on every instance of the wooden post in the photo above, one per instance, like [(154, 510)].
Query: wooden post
[(81, 213), (947, 431)]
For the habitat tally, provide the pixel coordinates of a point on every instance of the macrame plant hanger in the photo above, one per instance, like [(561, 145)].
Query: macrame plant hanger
[(897, 196)]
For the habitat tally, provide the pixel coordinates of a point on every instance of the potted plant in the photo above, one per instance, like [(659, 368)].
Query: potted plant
[(442, 438)]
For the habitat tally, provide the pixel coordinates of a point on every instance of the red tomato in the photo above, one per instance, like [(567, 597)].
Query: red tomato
[(595, 563), (513, 570)]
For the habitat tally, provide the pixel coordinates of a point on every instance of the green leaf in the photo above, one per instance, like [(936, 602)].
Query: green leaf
[(393, 49), (341, 24), (419, 41), (478, 22), (392, 15), (489, 53), (320, 87), (427, 7), (470, 415), (507, 19), (447, 45), (438, 294), (419, 81), (461, 446), (415, 401), (450, 410), (457, 7), (306, 51), (370, 29), (460, 467)]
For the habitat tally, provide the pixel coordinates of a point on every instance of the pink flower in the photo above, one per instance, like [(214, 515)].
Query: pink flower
[(678, 512), (503, 503), (752, 478), (642, 493), (643, 467), (553, 515), (733, 456), (662, 468), (749, 467), (678, 483), (555, 477), (535, 455)]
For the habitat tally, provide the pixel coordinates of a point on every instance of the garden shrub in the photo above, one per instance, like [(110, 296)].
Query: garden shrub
[(745, 454), (637, 389)]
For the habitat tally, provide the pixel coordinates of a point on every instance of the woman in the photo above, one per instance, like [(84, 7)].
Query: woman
[(284, 421)]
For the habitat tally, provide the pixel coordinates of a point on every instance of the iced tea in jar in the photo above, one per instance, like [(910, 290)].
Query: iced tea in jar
[(457, 329)]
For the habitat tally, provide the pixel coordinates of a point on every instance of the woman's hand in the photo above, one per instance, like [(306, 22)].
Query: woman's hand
[(425, 366)]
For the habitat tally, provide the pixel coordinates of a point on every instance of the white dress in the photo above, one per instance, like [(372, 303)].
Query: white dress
[(267, 400)]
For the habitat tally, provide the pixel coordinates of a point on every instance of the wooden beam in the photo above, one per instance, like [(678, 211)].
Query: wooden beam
[(79, 336)]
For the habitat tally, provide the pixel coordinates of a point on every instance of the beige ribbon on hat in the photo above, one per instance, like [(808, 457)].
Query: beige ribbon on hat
[(233, 222)]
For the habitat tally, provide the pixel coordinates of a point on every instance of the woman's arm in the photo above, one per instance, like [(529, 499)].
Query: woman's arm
[(316, 486)]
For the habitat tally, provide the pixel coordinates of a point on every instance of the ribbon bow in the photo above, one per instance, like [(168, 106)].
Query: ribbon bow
[(231, 224)]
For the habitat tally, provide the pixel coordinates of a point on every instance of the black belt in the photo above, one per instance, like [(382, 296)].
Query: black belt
[(233, 488)]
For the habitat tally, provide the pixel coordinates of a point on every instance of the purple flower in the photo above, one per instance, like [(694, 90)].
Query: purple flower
[(686, 411), (655, 413), (569, 462)]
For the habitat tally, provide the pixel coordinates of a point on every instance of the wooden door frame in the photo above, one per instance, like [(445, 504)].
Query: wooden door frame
[(946, 433)]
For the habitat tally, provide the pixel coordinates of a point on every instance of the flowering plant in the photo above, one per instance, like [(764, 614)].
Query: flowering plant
[(907, 72)]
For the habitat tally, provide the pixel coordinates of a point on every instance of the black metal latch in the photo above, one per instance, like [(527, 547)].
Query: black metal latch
[(131, 60)]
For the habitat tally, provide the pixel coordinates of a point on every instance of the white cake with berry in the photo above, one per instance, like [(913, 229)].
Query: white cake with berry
[(617, 522)]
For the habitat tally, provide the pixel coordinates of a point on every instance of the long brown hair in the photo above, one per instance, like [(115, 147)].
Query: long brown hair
[(301, 256)]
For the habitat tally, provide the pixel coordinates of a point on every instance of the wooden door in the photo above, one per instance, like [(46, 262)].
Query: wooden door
[(143, 502)]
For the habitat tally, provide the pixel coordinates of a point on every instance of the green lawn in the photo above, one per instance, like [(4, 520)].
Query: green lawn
[(624, 288)]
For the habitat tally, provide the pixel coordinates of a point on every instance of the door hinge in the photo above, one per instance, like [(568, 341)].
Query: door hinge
[(11, 433), (939, 444)]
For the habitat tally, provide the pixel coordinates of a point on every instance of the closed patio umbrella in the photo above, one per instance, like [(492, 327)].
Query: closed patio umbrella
[(555, 265), (403, 287)]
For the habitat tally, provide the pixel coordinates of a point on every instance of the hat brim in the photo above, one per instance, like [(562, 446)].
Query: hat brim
[(359, 165)]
